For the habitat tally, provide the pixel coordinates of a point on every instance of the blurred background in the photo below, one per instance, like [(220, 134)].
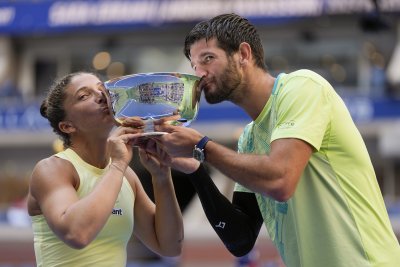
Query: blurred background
[(354, 44)]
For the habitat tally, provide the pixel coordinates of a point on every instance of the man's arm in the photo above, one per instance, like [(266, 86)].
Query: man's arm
[(238, 223), (275, 175)]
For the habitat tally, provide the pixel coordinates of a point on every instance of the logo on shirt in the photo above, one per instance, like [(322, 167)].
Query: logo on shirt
[(286, 124), (220, 225), (117, 212)]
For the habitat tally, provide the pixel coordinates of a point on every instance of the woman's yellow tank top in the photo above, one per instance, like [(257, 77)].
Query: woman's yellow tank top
[(109, 247)]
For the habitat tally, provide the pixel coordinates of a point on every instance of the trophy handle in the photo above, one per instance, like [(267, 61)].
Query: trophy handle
[(107, 96)]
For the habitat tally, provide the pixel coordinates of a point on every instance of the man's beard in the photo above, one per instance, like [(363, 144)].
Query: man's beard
[(225, 86)]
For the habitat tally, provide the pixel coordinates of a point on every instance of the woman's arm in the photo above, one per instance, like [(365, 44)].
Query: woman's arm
[(54, 183), (159, 225), (75, 221)]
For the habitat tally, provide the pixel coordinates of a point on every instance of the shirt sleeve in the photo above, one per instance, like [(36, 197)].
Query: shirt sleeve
[(303, 111)]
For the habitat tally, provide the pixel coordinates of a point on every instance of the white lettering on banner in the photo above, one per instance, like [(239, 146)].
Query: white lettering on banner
[(191, 10), (7, 15), (278, 8), (63, 13), (116, 12), (77, 13), (346, 6)]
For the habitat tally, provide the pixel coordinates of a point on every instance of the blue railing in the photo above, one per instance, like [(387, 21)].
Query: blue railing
[(25, 116)]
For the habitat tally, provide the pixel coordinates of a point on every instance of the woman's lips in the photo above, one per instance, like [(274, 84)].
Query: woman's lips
[(105, 109)]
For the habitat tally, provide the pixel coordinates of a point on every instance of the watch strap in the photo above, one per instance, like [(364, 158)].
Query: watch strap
[(202, 143), (198, 151)]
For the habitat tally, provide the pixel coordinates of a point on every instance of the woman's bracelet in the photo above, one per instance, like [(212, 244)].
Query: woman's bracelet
[(118, 168)]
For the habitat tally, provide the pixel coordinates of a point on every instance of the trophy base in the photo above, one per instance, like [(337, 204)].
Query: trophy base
[(149, 134), (146, 136)]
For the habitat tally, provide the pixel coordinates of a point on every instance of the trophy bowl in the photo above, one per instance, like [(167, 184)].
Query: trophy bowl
[(170, 96)]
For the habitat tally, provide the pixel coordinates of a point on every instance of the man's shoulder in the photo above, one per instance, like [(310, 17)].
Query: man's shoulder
[(303, 74)]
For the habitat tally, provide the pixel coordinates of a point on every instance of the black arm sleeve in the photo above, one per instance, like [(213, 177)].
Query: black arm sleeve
[(238, 223)]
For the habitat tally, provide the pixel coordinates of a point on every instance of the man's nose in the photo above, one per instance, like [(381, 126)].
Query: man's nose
[(201, 72)]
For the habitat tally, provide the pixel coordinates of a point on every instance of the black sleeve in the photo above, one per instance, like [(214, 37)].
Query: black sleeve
[(238, 223)]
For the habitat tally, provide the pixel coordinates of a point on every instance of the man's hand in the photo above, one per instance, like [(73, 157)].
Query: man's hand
[(185, 165), (179, 142)]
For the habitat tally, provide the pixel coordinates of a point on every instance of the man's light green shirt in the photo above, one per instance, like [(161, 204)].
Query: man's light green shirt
[(336, 217)]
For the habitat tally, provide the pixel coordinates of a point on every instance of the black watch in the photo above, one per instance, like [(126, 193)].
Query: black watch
[(198, 151)]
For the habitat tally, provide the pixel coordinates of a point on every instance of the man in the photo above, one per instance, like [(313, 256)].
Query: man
[(302, 167)]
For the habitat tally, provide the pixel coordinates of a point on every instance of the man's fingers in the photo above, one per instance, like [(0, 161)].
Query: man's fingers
[(166, 120), (164, 127)]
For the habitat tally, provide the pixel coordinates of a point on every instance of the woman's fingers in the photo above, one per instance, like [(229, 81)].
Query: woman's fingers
[(133, 122), (130, 138)]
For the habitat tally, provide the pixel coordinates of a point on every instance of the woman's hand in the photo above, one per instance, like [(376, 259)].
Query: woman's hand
[(182, 164), (133, 122), (155, 160), (120, 144)]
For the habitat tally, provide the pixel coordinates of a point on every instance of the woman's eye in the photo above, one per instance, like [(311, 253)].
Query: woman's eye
[(83, 96)]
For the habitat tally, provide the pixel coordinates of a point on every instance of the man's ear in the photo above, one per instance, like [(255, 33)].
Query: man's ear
[(244, 53), (66, 127)]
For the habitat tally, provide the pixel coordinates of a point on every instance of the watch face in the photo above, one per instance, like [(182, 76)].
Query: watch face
[(198, 154)]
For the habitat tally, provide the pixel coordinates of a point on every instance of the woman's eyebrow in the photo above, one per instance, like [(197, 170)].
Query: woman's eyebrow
[(83, 88)]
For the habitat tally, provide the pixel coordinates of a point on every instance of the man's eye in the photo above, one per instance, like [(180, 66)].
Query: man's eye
[(208, 58)]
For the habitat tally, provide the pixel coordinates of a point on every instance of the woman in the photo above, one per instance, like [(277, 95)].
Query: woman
[(85, 201)]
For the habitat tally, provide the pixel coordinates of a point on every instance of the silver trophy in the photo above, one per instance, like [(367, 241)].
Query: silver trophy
[(172, 97)]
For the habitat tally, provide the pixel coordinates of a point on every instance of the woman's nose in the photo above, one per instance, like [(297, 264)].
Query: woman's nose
[(100, 97)]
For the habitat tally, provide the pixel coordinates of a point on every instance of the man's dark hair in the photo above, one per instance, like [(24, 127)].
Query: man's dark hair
[(230, 30)]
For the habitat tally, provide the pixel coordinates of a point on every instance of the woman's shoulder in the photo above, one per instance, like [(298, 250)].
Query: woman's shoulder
[(48, 175), (53, 166), (53, 162)]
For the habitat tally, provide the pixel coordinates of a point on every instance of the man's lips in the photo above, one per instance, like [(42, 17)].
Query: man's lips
[(203, 85)]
